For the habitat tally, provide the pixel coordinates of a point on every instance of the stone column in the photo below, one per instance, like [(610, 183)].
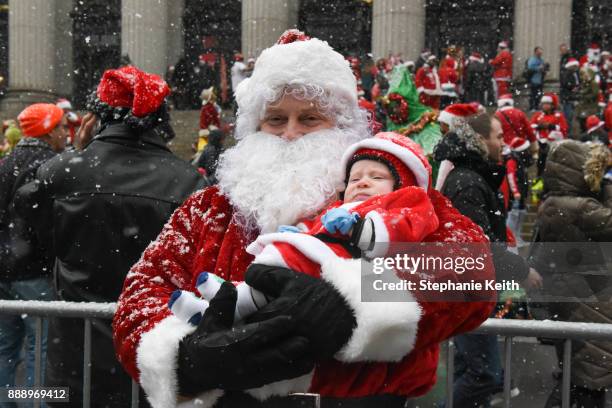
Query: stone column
[(31, 54), (541, 23), (144, 38), (176, 41), (398, 26), (263, 21)]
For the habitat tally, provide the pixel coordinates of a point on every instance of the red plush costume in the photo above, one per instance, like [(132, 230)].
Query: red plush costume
[(514, 123), (202, 236), (502, 70), (428, 86), (549, 127), (209, 115)]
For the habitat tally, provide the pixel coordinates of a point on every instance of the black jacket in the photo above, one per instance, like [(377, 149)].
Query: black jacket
[(473, 188), (570, 85), (21, 254), (99, 208)]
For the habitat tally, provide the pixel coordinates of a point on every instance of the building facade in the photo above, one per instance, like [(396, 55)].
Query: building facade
[(51, 48)]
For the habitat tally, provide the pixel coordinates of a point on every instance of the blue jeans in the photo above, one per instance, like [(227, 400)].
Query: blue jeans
[(478, 372), (17, 331), (568, 112)]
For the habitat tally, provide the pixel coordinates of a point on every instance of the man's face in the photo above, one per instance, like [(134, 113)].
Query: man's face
[(539, 52), (58, 135), (547, 107), (368, 178), (495, 141), (563, 49), (292, 118)]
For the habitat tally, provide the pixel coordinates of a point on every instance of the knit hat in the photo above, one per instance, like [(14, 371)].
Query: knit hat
[(404, 157), (457, 110), (131, 95), (505, 100), (39, 119), (518, 144), (593, 123), (572, 62), (295, 60)]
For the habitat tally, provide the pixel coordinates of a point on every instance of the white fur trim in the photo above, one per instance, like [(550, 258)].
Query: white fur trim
[(203, 132), (546, 99), (594, 128), (269, 255), (386, 331), (64, 104), (523, 146), (504, 102), (311, 247), (156, 359), (573, 63), (446, 117), (381, 233), (476, 59), (443, 171), (282, 388), (404, 154), (420, 89)]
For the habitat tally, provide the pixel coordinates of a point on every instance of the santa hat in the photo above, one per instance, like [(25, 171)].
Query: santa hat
[(409, 64), (457, 110), (133, 96), (593, 123), (572, 62), (207, 94), (39, 119), (238, 57), (404, 157), (63, 103), (476, 57), (505, 100), (551, 98), (296, 60), (518, 144), (503, 44), (431, 58)]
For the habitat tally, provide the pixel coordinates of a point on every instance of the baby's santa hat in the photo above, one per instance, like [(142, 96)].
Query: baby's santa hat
[(456, 110), (519, 144), (505, 100), (295, 60), (404, 157)]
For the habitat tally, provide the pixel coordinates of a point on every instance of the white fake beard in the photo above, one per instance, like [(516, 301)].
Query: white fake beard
[(271, 181)]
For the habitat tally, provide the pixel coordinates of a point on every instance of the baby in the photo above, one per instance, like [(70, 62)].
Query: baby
[(385, 201)]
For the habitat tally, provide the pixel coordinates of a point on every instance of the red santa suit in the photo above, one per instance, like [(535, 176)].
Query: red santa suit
[(209, 116), (428, 85), (203, 236), (544, 133), (502, 71), (608, 118), (449, 81), (514, 124)]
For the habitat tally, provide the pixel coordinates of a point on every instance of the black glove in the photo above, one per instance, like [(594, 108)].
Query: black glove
[(249, 356), (319, 311), (552, 126)]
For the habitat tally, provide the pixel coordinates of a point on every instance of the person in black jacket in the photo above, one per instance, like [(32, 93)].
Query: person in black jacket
[(569, 90), (473, 188), (24, 268), (99, 208)]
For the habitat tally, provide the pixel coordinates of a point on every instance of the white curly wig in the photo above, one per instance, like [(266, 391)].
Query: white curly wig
[(307, 70)]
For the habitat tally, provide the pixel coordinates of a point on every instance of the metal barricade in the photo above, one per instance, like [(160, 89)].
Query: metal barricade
[(507, 328)]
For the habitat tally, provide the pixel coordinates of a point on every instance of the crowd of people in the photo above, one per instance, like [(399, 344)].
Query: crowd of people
[(335, 160)]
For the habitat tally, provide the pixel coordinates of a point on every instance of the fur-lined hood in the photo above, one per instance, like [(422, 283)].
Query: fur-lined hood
[(575, 168), (460, 145)]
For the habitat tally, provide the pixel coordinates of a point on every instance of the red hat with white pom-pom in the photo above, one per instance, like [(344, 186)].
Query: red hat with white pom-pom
[(593, 123), (518, 144), (404, 157), (457, 110)]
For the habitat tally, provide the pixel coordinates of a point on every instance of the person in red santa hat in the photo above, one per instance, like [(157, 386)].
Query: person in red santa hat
[(210, 118), (73, 119), (428, 84), (513, 120), (595, 131), (592, 57), (449, 119), (502, 69), (96, 208), (517, 162), (297, 115), (549, 126)]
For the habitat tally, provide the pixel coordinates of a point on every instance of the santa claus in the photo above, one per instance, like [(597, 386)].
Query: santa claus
[(428, 83), (297, 114)]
